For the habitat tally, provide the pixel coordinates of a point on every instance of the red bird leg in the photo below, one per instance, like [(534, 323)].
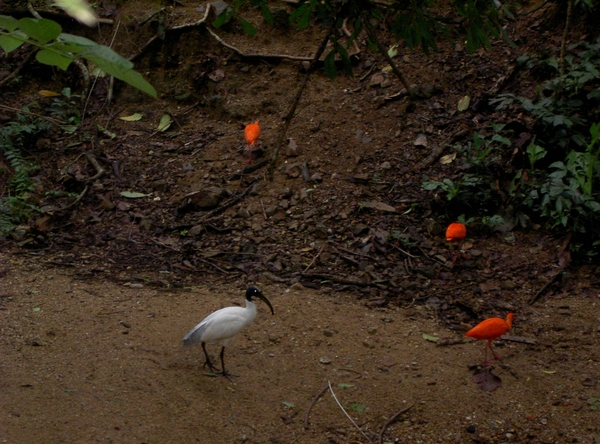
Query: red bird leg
[(249, 154)]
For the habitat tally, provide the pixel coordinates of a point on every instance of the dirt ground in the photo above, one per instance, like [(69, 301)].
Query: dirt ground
[(96, 294), (88, 361)]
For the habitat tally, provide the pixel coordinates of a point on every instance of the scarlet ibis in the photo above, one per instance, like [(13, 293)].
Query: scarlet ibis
[(491, 329), (456, 233), (251, 133), (222, 325)]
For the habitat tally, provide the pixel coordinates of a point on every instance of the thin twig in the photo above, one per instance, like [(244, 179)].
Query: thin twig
[(288, 117), (345, 412), (315, 399), (18, 69), (391, 420), (405, 252), (76, 201), (314, 258)]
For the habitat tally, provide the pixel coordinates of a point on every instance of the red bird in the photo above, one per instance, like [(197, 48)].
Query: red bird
[(491, 329), (251, 133), (456, 233)]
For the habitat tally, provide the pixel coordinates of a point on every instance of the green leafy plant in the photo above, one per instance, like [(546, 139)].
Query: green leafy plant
[(60, 49), (566, 103), (568, 197), (16, 203), (474, 187)]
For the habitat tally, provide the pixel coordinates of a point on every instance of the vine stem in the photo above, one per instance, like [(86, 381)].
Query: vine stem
[(373, 36), (563, 44), (290, 115)]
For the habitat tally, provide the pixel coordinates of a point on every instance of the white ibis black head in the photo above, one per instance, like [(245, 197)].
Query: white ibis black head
[(222, 325)]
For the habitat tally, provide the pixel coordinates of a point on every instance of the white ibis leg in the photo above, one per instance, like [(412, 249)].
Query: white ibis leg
[(207, 362)]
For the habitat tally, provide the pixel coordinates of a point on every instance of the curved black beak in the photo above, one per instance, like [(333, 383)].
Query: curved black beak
[(262, 296)]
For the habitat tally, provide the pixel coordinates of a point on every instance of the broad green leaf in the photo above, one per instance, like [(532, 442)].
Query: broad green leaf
[(345, 385), (76, 40), (8, 23), (9, 43), (329, 62), (138, 81), (223, 18), (267, 15), (80, 10), (133, 194), (463, 104), (61, 46), (107, 59), (52, 58), (294, 16), (165, 122), (393, 51), (248, 27), (304, 19), (42, 30), (132, 118), (347, 64)]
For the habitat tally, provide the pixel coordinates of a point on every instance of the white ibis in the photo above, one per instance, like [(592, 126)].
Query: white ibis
[(222, 325)]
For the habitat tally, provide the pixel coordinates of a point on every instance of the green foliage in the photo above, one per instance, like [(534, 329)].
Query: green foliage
[(566, 103), (569, 196), (566, 194), (14, 136), (475, 187), (60, 49)]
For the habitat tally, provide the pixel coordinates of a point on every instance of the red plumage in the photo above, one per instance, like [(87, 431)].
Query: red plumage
[(491, 329)]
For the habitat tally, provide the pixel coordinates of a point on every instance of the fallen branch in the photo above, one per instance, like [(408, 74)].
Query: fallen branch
[(541, 291), (231, 202), (391, 420), (315, 399), (249, 169)]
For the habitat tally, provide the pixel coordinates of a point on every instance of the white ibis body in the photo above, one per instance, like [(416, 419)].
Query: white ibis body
[(222, 325)]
